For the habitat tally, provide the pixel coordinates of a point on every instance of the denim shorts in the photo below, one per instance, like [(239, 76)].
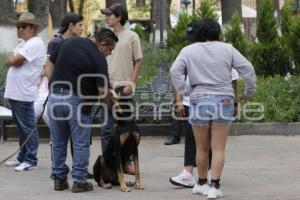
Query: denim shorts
[(211, 109)]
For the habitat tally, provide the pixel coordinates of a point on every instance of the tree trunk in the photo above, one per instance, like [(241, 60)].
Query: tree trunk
[(40, 8), (71, 5), (7, 11), (80, 8), (109, 2), (160, 20), (58, 9), (229, 7), (168, 7)]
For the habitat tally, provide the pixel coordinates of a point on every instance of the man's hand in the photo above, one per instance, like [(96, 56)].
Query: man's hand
[(180, 109), (8, 58), (128, 89)]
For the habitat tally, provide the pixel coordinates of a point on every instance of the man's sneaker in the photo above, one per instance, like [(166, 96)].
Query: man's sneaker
[(81, 187), (214, 193), (12, 163), (60, 184), (201, 189), (25, 167), (184, 179)]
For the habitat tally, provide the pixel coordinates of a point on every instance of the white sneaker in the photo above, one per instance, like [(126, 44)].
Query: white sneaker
[(25, 167), (214, 193), (201, 189), (12, 163), (185, 179)]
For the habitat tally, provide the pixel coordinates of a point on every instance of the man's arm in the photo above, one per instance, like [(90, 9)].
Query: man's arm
[(14, 60), (134, 76), (49, 68), (136, 70), (104, 93)]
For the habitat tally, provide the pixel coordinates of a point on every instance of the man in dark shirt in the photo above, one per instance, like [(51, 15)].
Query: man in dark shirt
[(80, 76)]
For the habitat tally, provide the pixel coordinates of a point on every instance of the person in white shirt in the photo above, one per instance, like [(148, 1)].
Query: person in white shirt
[(25, 65)]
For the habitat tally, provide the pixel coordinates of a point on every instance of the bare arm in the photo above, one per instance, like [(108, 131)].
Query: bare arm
[(134, 76), (14, 60), (104, 93), (49, 69), (136, 70)]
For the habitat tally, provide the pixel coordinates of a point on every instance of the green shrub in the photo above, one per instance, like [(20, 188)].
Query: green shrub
[(279, 97), (234, 35), (144, 35), (176, 37), (294, 43), (207, 11), (153, 58), (269, 55)]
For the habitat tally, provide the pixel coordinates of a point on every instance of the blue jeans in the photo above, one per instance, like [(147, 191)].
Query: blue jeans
[(107, 129), (23, 114), (64, 117)]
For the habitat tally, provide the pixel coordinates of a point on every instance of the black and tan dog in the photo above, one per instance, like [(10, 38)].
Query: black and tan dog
[(108, 168)]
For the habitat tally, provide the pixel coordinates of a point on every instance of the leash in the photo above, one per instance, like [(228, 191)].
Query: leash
[(28, 137), (32, 132)]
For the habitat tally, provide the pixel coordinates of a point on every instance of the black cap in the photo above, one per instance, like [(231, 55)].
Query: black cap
[(70, 18)]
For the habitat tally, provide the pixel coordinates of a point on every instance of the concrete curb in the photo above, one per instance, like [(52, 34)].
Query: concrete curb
[(272, 128)]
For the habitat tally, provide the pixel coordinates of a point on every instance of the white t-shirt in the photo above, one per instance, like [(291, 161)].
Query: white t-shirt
[(186, 99), (21, 80)]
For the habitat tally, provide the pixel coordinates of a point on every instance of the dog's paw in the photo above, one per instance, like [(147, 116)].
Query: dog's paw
[(125, 189), (107, 186), (139, 187), (130, 183)]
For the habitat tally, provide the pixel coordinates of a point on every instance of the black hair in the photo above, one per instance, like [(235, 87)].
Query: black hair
[(105, 35), (208, 30), (191, 29), (120, 11), (69, 18)]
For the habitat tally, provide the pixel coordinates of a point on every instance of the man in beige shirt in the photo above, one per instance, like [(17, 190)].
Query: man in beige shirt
[(124, 63)]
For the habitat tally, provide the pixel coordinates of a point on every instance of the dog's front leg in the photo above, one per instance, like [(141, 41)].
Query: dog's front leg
[(123, 185), (138, 184), (103, 172)]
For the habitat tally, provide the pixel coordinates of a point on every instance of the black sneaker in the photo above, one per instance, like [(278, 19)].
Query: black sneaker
[(172, 140), (60, 184), (81, 187)]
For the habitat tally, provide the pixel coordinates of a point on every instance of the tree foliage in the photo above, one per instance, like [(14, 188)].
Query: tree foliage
[(176, 37), (269, 55), (234, 35), (266, 22)]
